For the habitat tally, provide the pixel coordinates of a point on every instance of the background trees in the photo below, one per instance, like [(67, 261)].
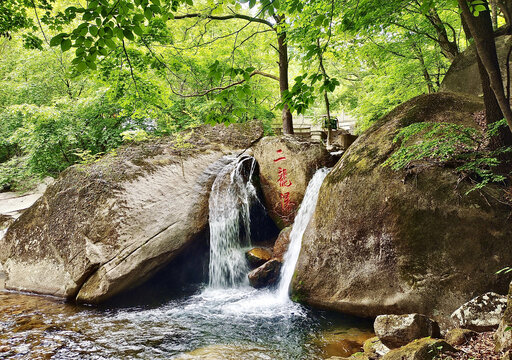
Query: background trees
[(75, 76)]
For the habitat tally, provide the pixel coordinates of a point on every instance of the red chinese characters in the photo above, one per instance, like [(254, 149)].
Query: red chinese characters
[(284, 182)]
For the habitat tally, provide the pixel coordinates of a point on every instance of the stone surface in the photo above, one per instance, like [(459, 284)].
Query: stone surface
[(225, 352), (281, 244), (258, 256), (458, 336), (397, 242), (421, 349), (503, 335), (265, 275), (398, 330), (482, 313), (109, 226), (286, 166), (463, 75), (374, 348)]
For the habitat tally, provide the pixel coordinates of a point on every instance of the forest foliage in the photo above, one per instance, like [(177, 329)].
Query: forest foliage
[(76, 76)]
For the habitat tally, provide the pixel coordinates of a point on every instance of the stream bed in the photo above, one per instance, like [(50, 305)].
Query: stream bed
[(211, 324)]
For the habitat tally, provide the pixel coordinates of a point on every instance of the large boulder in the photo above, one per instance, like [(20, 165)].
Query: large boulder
[(109, 226), (398, 330), (286, 166), (463, 75), (482, 313), (265, 275), (395, 242)]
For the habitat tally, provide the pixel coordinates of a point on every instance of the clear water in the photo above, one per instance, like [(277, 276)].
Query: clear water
[(306, 210), (225, 319), (230, 200)]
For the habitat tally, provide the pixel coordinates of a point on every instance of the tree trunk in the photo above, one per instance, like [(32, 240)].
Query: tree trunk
[(448, 48), (494, 13), (283, 81), (326, 97), (426, 75), (481, 30), (506, 8)]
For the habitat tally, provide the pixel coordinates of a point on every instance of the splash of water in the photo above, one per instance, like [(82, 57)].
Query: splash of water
[(306, 210), (230, 200)]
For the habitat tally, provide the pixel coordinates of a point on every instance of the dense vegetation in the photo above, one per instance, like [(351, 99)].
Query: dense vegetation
[(75, 78)]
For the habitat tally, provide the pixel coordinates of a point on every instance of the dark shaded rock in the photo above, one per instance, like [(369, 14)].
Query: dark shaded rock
[(286, 166), (281, 244), (421, 349), (458, 336), (398, 330), (482, 313), (266, 275), (110, 226), (258, 256), (395, 242)]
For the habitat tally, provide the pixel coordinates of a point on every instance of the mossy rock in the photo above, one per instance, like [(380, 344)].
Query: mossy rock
[(421, 349), (395, 242)]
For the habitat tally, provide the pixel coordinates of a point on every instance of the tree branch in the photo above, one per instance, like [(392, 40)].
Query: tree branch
[(221, 88), (226, 17)]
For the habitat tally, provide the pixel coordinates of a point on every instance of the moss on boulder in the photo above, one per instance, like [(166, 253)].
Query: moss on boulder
[(394, 242)]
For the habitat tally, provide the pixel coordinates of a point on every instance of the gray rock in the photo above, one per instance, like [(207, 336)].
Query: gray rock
[(482, 313), (265, 275), (109, 226), (463, 75), (458, 336), (503, 336), (398, 330), (374, 348)]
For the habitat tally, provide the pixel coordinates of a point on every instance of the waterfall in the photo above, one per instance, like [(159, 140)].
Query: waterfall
[(230, 200), (306, 210)]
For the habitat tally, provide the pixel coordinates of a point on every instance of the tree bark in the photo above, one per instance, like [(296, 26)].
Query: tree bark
[(481, 31), (506, 8), (326, 97), (448, 48), (494, 13), (426, 75), (284, 82)]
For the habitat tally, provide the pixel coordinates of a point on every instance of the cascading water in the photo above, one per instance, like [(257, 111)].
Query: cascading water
[(306, 210), (230, 200)]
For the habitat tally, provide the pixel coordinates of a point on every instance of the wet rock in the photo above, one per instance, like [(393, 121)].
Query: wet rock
[(108, 226), (421, 349), (258, 256), (482, 313), (265, 275), (286, 166), (458, 336), (226, 352), (356, 356), (342, 342), (281, 244), (398, 330), (374, 348), (411, 241)]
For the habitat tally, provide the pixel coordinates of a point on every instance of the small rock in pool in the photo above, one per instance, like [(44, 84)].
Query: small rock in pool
[(258, 257)]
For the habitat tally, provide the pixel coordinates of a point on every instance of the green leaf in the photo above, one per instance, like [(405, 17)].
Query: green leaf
[(81, 66), (93, 30), (65, 45)]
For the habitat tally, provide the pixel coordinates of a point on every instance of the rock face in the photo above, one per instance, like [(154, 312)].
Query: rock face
[(266, 275), (482, 313), (398, 330), (286, 166), (398, 242), (282, 243), (463, 76), (421, 349), (374, 348), (109, 226), (258, 257)]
